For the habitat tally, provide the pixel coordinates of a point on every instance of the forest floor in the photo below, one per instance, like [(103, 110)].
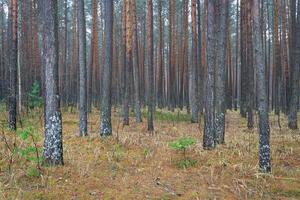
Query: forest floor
[(134, 164)]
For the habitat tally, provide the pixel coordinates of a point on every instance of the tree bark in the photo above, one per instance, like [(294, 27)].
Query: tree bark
[(220, 79), (150, 100), (264, 129), (53, 147), (82, 70), (209, 117), (137, 102), (193, 72), (106, 128), (13, 64)]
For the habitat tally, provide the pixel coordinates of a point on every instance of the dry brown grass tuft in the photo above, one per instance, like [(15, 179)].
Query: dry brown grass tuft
[(136, 165)]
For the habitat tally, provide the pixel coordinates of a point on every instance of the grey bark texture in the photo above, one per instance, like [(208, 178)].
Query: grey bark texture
[(209, 116), (82, 70), (264, 129), (150, 96), (13, 64), (105, 127), (220, 81), (53, 147)]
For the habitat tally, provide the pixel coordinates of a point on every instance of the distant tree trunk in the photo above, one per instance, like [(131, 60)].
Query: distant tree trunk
[(295, 60), (13, 64), (193, 72), (128, 62), (160, 61), (106, 128), (209, 117), (243, 52), (137, 102), (172, 55), (82, 70), (264, 129), (199, 58), (65, 54), (94, 65), (250, 68), (220, 79), (53, 147), (236, 83), (276, 61), (150, 100), (285, 64)]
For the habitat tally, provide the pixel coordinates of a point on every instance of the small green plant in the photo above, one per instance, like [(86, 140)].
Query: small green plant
[(146, 152), (116, 153), (31, 151), (35, 100), (27, 149), (33, 172), (182, 144)]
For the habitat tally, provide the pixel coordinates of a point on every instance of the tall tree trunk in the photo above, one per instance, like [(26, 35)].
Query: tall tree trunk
[(193, 72), (128, 62), (276, 61), (160, 61), (106, 128), (199, 58), (209, 117), (82, 70), (53, 147), (150, 99), (13, 63), (243, 52), (94, 65), (285, 64), (220, 79), (137, 102), (295, 60), (264, 129), (250, 68)]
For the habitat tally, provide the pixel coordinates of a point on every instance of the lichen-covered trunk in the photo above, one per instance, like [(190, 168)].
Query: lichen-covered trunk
[(193, 72), (209, 117), (220, 79), (150, 96), (53, 147), (13, 64), (135, 58), (264, 129), (105, 127), (82, 70)]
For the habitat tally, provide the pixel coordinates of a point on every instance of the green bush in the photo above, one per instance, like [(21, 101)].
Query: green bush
[(34, 98), (182, 144)]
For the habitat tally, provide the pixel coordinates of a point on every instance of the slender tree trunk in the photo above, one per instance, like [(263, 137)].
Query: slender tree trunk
[(160, 58), (150, 100), (209, 117), (295, 51), (128, 62), (106, 128), (220, 79), (13, 64), (53, 147), (82, 70), (193, 72), (264, 129), (137, 102)]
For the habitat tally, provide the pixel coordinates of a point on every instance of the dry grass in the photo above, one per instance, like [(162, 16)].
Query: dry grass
[(136, 165)]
